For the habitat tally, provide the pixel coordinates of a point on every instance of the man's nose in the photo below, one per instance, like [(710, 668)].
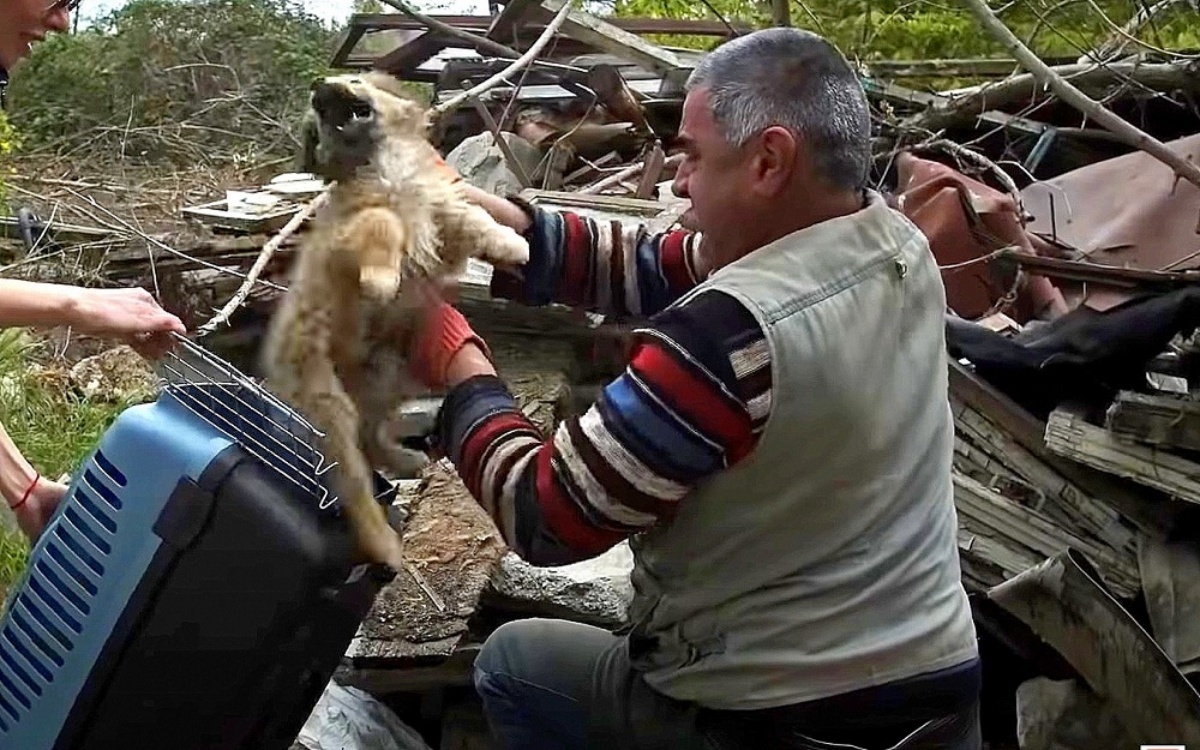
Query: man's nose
[(58, 19), (679, 184)]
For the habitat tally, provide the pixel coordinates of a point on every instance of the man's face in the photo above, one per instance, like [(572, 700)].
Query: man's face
[(714, 176), (24, 23)]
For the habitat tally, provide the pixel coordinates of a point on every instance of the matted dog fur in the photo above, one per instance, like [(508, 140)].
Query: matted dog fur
[(336, 348)]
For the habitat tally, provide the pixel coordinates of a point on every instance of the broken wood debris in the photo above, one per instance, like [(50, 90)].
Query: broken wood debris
[(1078, 510)]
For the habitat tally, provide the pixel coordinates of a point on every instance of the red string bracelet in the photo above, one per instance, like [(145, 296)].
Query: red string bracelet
[(29, 491)]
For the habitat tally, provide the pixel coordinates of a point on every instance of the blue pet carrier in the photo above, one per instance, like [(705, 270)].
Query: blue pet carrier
[(196, 588)]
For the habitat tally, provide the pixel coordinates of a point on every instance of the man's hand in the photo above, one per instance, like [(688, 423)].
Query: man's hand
[(39, 506), (131, 315), (444, 345)]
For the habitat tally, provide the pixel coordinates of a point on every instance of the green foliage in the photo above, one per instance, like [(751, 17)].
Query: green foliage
[(14, 553), (906, 30), (184, 81), (8, 145), (54, 427)]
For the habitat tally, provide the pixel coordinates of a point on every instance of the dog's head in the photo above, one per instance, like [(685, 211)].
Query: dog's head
[(350, 116)]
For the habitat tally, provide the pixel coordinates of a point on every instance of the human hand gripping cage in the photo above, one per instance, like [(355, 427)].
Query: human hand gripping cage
[(396, 218)]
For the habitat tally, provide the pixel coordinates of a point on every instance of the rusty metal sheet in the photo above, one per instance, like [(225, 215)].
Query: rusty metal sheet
[(1064, 603), (1170, 571), (965, 221), (1128, 211)]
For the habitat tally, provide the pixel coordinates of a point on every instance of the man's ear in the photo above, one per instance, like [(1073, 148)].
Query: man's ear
[(775, 162)]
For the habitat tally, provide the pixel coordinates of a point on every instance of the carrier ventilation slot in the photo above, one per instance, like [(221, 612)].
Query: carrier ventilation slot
[(51, 610), (109, 469)]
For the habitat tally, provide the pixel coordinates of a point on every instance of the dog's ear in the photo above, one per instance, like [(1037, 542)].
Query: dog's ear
[(310, 139)]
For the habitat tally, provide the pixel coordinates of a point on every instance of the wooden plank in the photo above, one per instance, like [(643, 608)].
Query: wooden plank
[(1161, 420), (1029, 432), (57, 231), (609, 204), (900, 95), (990, 559), (1068, 502), (982, 508), (612, 39), (651, 172), (480, 23), (977, 462), (1069, 434), (402, 61), (346, 43)]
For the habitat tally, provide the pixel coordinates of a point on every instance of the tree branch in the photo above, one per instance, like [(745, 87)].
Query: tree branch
[(968, 104), (1079, 100), (261, 262)]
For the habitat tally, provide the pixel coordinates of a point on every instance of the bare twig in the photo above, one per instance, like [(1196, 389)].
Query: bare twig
[(534, 50), (1079, 100), (167, 248), (260, 263), (980, 160), (1122, 36)]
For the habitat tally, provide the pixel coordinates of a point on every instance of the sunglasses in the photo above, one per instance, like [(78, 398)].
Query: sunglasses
[(68, 5)]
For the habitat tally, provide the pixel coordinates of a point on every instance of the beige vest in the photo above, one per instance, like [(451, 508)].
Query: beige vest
[(827, 561)]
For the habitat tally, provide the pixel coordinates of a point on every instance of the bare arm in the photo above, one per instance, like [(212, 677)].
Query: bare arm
[(124, 314), (32, 303), (16, 473), (131, 314), (33, 498)]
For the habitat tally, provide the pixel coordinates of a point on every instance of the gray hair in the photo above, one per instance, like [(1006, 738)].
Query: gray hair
[(794, 79)]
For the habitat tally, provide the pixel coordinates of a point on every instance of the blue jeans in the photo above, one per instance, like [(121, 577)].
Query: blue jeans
[(558, 685)]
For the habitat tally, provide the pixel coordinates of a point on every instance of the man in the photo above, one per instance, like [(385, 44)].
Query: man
[(779, 447), (131, 315)]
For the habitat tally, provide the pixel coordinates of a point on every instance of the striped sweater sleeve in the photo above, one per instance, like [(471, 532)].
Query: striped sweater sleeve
[(691, 402), (607, 267)]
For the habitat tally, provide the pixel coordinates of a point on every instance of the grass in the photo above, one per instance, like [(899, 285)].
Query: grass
[(54, 427)]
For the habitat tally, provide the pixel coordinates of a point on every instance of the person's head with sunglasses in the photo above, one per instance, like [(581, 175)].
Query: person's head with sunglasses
[(24, 23)]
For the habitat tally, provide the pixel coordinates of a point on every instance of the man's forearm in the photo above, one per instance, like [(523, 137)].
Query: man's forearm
[(31, 303)]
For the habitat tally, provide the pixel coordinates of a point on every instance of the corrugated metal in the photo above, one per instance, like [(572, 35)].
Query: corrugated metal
[(1130, 211)]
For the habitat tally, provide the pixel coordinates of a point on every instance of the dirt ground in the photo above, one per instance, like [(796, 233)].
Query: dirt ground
[(452, 547)]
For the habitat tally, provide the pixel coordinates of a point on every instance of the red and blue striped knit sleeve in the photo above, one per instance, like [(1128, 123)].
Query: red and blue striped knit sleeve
[(692, 402), (607, 267)]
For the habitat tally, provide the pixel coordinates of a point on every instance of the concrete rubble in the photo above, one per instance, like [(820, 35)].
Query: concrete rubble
[(596, 592)]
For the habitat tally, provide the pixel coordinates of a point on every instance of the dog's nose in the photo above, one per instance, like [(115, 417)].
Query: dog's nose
[(323, 94)]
